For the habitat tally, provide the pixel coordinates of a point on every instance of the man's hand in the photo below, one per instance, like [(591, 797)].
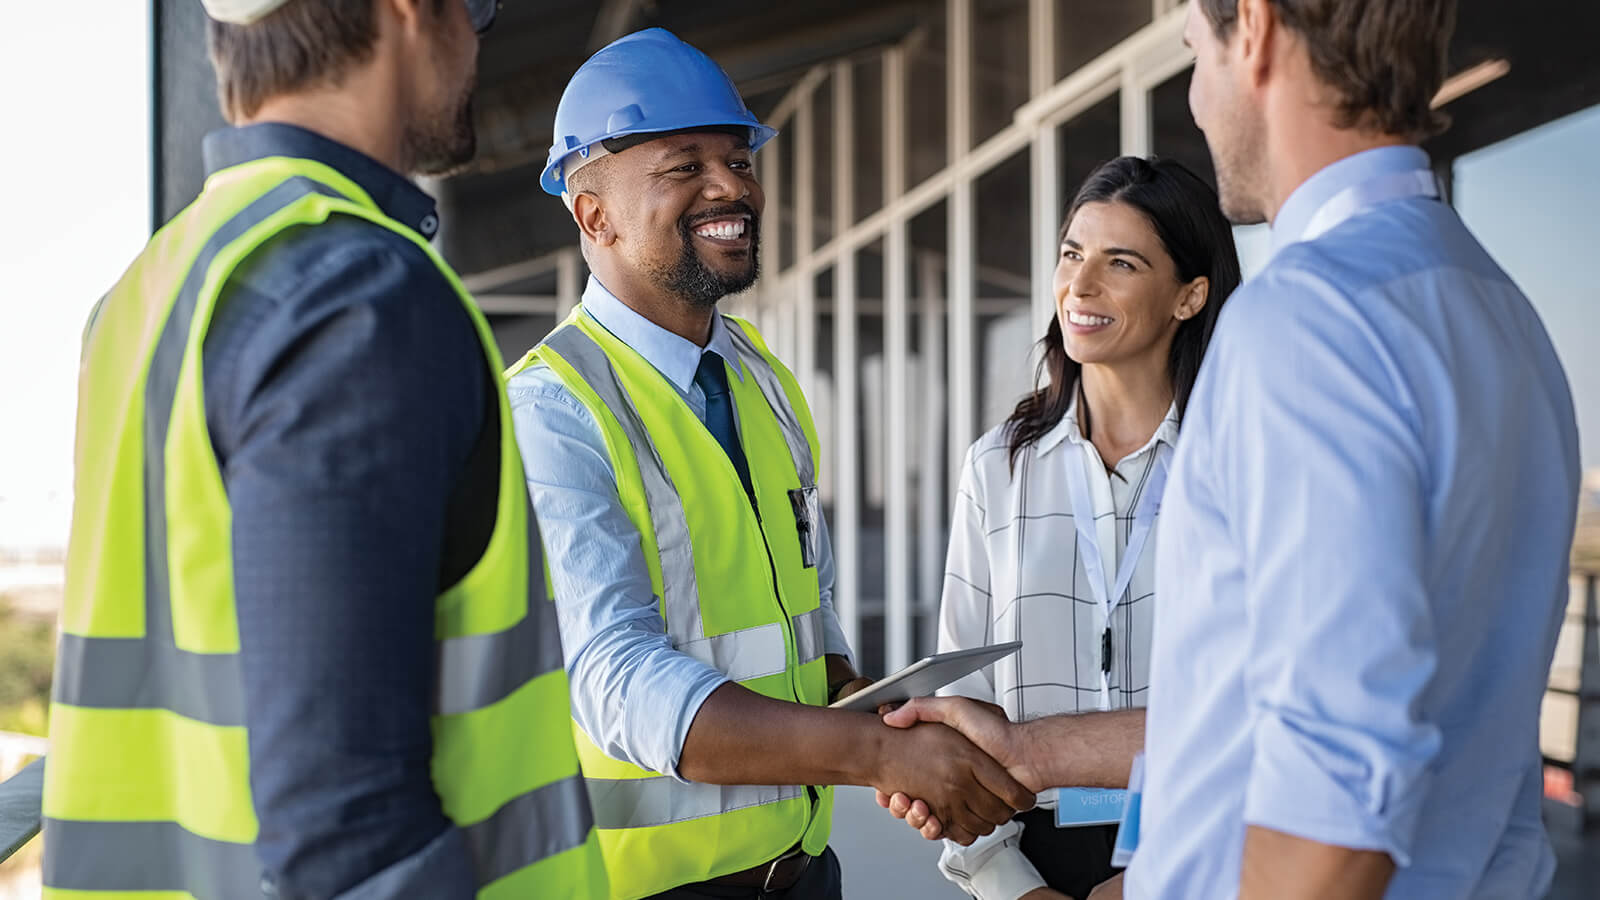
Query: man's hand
[(971, 792), (1044, 893), (984, 724), (850, 687), (1110, 889)]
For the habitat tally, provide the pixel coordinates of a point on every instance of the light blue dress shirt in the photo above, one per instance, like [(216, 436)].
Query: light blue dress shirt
[(1363, 560), (632, 693)]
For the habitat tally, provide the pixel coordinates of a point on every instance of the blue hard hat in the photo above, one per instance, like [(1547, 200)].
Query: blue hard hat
[(646, 82)]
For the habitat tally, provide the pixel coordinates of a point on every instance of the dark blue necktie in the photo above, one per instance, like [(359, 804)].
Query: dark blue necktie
[(713, 380)]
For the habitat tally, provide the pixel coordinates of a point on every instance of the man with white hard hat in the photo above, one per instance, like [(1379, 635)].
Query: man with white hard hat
[(307, 649), (673, 463)]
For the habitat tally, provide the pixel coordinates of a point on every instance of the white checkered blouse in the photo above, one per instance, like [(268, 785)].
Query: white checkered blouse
[(1014, 572)]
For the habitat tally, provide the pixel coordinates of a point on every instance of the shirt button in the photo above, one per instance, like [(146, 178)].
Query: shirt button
[(429, 225)]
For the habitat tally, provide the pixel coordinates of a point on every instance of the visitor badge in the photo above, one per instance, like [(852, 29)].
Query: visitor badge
[(1089, 806), (1128, 832)]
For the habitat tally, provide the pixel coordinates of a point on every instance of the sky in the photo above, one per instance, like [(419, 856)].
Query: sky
[(75, 160), (76, 164)]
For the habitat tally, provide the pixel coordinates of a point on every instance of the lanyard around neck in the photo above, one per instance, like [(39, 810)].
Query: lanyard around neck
[(1089, 550), (1358, 198)]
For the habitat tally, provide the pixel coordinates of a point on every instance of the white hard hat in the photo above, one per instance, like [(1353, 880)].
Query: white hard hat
[(240, 12)]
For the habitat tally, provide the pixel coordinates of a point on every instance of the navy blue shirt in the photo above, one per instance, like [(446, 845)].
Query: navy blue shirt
[(352, 411)]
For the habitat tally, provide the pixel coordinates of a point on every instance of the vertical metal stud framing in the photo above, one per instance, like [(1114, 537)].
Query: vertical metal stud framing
[(958, 90), (769, 169), (963, 323), (897, 359), (931, 489), (1045, 162), (569, 285), (846, 525), (1135, 115), (1046, 222), (1041, 46), (805, 288)]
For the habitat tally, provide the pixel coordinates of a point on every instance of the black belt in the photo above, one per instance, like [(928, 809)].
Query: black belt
[(778, 875)]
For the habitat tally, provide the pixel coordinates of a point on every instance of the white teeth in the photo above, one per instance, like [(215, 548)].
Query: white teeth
[(725, 230), (1088, 320)]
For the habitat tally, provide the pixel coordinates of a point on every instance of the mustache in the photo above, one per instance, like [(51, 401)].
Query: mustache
[(736, 208)]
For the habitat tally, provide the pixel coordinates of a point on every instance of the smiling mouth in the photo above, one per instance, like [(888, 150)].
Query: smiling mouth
[(1084, 320), (726, 231)]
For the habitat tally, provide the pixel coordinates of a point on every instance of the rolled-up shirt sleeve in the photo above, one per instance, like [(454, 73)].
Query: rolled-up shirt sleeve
[(1325, 470), (633, 693)]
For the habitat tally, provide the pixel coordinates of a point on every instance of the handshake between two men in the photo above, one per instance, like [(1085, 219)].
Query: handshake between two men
[(1088, 750)]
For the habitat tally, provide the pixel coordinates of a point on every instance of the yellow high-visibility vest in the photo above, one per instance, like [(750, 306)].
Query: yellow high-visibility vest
[(147, 791), (737, 586)]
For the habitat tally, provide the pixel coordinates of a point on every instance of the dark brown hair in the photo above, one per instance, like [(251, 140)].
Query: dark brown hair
[(302, 44), (1182, 210), (1385, 58)]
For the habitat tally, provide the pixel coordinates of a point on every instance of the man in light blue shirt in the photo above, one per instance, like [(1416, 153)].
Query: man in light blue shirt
[(1366, 533)]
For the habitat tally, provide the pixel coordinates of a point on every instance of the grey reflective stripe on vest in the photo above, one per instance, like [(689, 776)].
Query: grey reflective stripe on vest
[(146, 856), (809, 642), (151, 672), (545, 821), (645, 802), (744, 654), (680, 592), (477, 670), (772, 388)]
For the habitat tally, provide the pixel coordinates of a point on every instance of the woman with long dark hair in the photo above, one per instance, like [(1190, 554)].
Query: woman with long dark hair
[(1054, 526)]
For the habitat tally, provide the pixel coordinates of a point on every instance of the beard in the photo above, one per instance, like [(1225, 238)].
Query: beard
[(443, 143), (1238, 158), (697, 283)]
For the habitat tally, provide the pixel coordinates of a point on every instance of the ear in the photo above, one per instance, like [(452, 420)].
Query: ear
[(1195, 294), (406, 14), (592, 220), (1254, 33)]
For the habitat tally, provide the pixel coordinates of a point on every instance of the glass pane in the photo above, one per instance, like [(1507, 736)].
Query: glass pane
[(1173, 134), (1086, 141), (866, 164), (1003, 288), (927, 109), (999, 64), (930, 521), (870, 431), (1087, 28), (1172, 130), (516, 335), (822, 154)]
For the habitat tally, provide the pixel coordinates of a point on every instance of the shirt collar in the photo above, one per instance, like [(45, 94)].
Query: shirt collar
[(1067, 430), (1302, 205), (672, 355), (394, 194)]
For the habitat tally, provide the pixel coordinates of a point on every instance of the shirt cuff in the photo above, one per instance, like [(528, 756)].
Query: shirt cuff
[(834, 642), (1343, 792), (694, 696), (1005, 875)]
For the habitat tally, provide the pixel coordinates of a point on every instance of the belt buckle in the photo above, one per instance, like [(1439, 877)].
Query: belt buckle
[(772, 868)]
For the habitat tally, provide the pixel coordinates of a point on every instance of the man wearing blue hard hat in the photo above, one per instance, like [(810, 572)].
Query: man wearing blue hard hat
[(673, 463)]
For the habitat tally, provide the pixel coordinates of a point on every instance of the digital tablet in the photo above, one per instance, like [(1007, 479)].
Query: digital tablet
[(926, 675)]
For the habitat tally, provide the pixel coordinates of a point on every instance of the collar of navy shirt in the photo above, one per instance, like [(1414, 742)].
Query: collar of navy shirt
[(395, 195)]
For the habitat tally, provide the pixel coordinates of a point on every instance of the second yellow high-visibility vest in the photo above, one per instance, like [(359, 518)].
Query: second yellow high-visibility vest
[(147, 792), (737, 585)]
